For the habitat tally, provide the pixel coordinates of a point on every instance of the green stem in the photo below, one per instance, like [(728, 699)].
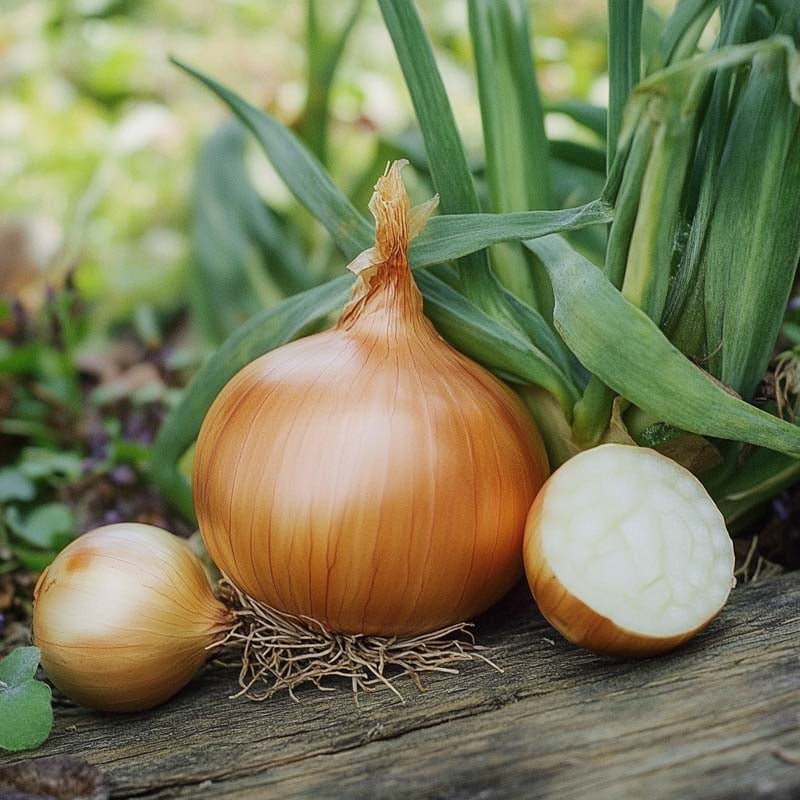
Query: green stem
[(651, 246), (593, 410), (517, 159), (324, 54), (552, 424), (174, 487), (624, 63), (642, 240), (682, 32)]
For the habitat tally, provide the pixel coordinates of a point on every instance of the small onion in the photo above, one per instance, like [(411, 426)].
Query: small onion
[(370, 477), (625, 552), (123, 617)]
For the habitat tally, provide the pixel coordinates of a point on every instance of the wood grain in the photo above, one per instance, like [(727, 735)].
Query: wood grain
[(715, 719)]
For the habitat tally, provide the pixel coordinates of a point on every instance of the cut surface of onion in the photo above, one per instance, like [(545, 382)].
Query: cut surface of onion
[(626, 553)]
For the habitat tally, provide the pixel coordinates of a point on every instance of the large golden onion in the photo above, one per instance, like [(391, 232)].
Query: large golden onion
[(370, 477)]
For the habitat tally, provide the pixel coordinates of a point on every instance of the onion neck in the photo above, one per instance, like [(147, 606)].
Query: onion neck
[(384, 284)]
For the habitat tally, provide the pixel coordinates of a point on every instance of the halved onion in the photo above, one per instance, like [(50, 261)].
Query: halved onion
[(626, 553)]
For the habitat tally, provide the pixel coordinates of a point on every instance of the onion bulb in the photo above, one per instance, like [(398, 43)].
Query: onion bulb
[(370, 477), (625, 552), (123, 617)]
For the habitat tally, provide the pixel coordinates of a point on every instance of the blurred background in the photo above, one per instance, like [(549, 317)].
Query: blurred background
[(139, 226), (99, 134)]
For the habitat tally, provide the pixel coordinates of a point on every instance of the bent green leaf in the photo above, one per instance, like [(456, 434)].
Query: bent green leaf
[(627, 351), (446, 237), (452, 236), (26, 716), (300, 170), (595, 118)]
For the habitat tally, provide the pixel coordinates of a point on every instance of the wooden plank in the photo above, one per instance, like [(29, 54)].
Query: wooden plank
[(710, 721)]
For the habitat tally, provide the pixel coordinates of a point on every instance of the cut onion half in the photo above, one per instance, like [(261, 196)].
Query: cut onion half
[(625, 552)]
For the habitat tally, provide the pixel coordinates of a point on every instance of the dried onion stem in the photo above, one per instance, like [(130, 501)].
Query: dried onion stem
[(281, 651)]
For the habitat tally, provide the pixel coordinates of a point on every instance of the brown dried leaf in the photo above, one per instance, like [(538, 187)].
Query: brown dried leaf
[(617, 432), (691, 451), (57, 778), (129, 382)]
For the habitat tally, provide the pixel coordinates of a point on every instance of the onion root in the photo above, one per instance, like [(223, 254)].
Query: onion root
[(281, 651)]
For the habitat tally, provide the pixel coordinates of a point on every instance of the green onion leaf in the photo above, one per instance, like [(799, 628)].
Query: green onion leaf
[(622, 346), (446, 156), (299, 169), (624, 63), (517, 152), (452, 236), (324, 51)]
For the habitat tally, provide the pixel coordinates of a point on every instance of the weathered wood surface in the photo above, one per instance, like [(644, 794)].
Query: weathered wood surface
[(718, 719)]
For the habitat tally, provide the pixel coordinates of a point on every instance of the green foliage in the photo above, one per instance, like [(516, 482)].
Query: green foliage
[(74, 443), (26, 715), (645, 367), (517, 152), (312, 186), (686, 187), (676, 141), (694, 230), (763, 475), (748, 278), (624, 63), (449, 237), (50, 526), (324, 51), (43, 463), (245, 255), (594, 118), (15, 485), (45, 381), (447, 158), (33, 528)]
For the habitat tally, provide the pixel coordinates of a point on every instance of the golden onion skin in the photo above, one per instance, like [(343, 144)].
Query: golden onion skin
[(122, 617), (370, 477)]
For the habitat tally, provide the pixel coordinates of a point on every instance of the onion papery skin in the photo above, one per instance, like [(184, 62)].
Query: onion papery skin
[(123, 617), (370, 477)]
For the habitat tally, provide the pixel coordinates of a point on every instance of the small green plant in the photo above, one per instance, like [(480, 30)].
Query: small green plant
[(75, 426), (26, 714)]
